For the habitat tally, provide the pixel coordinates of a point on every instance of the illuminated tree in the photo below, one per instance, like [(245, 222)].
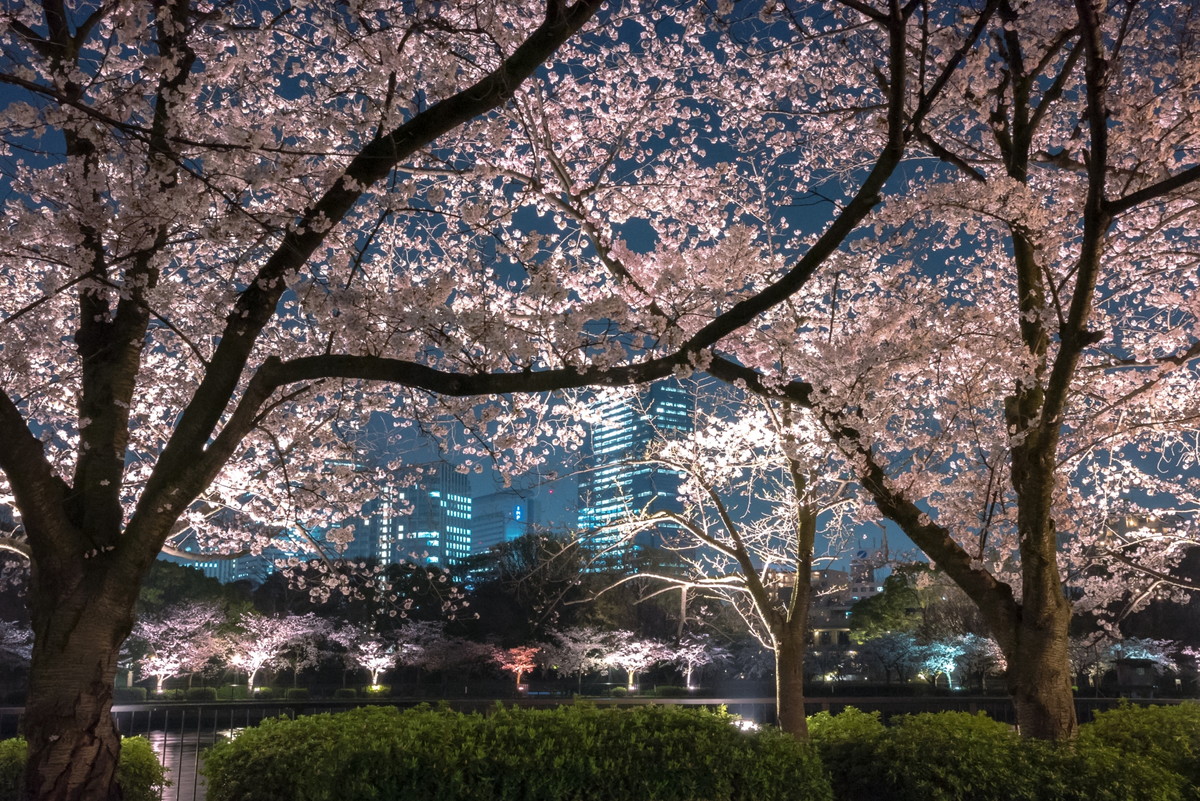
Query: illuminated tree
[(518, 661), (759, 555), (179, 640), (1010, 363), (369, 651), (695, 651), (574, 651), (264, 641), (16, 642), (896, 653), (626, 651)]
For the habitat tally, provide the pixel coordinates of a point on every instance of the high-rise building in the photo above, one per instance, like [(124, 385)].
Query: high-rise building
[(426, 524), (498, 518), (616, 485)]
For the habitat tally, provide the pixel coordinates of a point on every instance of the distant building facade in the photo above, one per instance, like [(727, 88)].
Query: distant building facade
[(613, 488), (427, 524), (499, 517)]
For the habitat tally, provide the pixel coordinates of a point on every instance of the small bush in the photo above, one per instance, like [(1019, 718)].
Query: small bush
[(846, 742), (1081, 771), (954, 756), (296, 694), (264, 693), (169, 695), (233, 692), (619, 692), (670, 691), (947, 756), (345, 692), (378, 691), (202, 694), (561, 754), (12, 766), (139, 773), (129, 695), (1166, 735)]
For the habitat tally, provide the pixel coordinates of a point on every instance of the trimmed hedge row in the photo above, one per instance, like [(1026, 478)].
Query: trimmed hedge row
[(139, 773), (652, 753), (1129, 753)]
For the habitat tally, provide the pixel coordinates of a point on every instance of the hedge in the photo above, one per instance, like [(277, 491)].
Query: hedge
[(652, 753), (139, 773), (955, 756), (1166, 735)]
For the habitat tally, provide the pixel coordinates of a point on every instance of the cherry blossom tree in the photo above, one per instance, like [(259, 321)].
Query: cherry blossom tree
[(979, 658), (1094, 655), (895, 653), (16, 642), (518, 661), (179, 640), (1010, 361), (574, 651), (626, 651), (369, 651), (696, 651), (262, 641), (759, 480)]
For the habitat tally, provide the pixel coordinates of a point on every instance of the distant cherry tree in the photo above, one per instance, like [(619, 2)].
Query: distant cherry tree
[(367, 650), (518, 661), (179, 640), (262, 641), (574, 651), (626, 651), (695, 651)]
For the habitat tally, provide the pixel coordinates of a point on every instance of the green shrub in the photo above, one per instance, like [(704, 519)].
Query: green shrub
[(12, 766), (947, 756), (140, 774), (233, 692), (1090, 771), (619, 692), (378, 691), (846, 742), (670, 691), (129, 695), (1165, 735), (202, 694), (345, 692), (264, 693), (954, 756), (296, 694), (563, 754), (169, 695)]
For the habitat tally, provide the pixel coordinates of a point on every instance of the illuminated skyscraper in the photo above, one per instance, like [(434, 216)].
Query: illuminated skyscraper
[(613, 487), (427, 524)]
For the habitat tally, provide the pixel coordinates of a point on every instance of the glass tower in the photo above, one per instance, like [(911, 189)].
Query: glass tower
[(614, 487)]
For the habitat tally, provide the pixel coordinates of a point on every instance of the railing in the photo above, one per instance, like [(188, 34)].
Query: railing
[(181, 732)]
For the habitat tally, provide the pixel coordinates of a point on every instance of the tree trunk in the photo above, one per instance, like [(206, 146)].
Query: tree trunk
[(73, 742), (790, 647), (1039, 674)]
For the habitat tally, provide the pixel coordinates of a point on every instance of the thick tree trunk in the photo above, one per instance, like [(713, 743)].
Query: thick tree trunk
[(73, 742), (1039, 673), (790, 647)]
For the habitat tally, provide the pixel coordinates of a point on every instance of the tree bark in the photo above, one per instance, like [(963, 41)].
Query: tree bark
[(73, 742), (790, 647)]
